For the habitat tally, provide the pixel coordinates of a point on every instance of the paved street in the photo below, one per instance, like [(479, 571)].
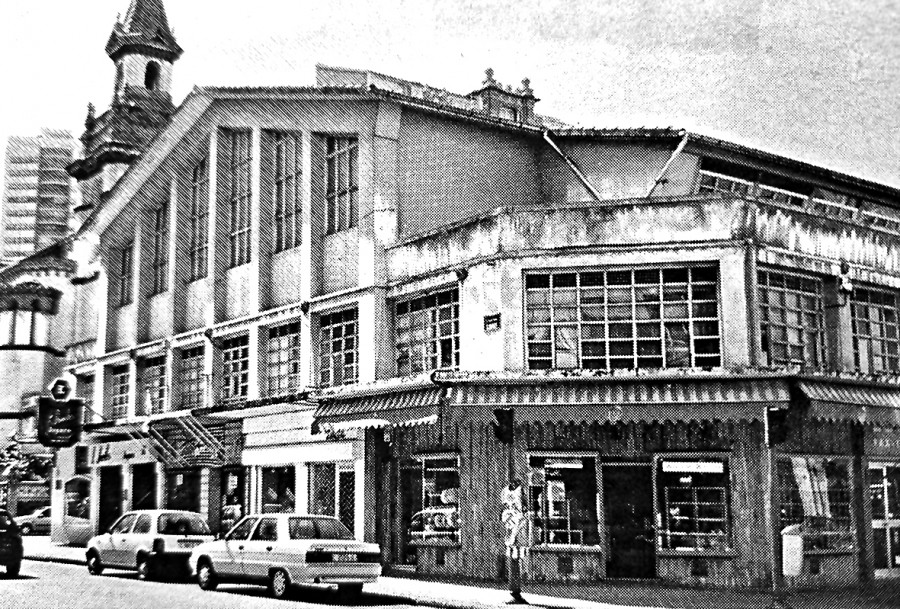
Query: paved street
[(45, 585)]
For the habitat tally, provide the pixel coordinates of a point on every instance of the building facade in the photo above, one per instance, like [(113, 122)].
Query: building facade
[(37, 194), (314, 299)]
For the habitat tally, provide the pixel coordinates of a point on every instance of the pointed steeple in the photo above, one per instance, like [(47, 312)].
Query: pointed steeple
[(145, 30)]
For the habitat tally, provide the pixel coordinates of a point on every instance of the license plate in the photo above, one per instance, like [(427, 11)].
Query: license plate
[(188, 543), (344, 557)]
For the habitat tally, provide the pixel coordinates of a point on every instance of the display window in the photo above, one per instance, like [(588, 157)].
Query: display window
[(693, 496)]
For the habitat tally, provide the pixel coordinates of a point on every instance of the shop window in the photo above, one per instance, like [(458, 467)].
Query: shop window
[(283, 355), (338, 333), (431, 500), (563, 500), (77, 492), (183, 491), (876, 330), (792, 319), (235, 368), (815, 493), (191, 377), (694, 499), (278, 490), (332, 491), (641, 318), (427, 332), (232, 498)]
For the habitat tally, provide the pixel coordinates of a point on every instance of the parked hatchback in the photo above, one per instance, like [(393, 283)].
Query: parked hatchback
[(150, 542), (10, 544), (280, 550), (37, 522)]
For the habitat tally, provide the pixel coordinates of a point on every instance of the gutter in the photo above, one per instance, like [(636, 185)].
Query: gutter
[(675, 154), (581, 177)]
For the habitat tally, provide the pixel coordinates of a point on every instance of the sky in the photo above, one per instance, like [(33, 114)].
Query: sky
[(814, 80)]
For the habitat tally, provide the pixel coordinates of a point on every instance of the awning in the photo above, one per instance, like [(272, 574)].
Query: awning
[(627, 401), (834, 402), (405, 408)]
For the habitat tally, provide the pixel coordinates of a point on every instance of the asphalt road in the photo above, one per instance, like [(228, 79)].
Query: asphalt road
[(57, 586)]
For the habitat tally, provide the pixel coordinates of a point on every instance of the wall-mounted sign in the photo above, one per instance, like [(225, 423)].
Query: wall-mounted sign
[(693, 467)]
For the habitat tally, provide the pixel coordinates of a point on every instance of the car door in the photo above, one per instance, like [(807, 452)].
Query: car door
[(116, 541), (228, 556), (259, 548), (137, 537)]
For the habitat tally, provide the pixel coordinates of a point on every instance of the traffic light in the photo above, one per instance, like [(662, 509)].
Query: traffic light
[(776, 425), (503, 426), (59, 423)]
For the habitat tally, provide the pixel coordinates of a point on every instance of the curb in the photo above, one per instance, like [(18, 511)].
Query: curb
[(56, 559)]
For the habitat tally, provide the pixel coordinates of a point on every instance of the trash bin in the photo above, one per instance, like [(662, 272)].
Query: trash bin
[(792, 550)]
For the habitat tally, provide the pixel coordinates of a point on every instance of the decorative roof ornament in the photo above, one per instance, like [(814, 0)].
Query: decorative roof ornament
[(489, 78)]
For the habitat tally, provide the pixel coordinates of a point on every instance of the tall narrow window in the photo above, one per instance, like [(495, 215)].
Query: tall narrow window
[(160, 263), (338, 348), (641, 318), (119, 382), (284, 359), (86, 392), (199, 220), (239, 174), (126, 274), (286, 190), (235, 371), (427, 332), (876, 330), (154, 385), (792, 319), (191, 379), (341, 192)]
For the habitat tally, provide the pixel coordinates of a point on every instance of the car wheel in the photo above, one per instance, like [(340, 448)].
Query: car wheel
[(94, 566), (206, 577), (350, 592), (12, 569), (144, 568), (279, 583), (26, 529)]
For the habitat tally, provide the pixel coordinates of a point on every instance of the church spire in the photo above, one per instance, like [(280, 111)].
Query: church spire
[(145, 30)]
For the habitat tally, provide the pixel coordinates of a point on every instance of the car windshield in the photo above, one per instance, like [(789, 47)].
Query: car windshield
[(182, 524), (317, 528)]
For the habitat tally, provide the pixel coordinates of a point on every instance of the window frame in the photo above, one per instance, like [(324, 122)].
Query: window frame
[(197, 353), (450, 537), (283, 353), (235, 382), (239, 176), (125, 276), (765, 325), (341, 177), (155, 385), (328, 355), (159, 264), (598, 508), (864, 349), (198, 220), (428, 350), (287, 189), (119, 386)]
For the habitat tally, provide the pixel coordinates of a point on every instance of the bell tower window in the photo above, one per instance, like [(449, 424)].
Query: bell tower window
[(151, 76), (120, 77)]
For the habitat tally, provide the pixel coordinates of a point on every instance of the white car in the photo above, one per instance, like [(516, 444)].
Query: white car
[(148, 541), (280, 550)]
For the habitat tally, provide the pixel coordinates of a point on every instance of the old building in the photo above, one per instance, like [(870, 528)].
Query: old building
[(316, 298)]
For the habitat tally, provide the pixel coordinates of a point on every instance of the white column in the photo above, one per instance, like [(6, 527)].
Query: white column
[(256, 239), (160, 485), (302, 487), (127, 486), (212, 220), (204, 492)]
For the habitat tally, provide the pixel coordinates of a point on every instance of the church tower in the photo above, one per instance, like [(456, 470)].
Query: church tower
[(144, 51)]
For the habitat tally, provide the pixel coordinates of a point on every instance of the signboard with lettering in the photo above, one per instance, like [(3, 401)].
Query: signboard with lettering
[(59, 423)]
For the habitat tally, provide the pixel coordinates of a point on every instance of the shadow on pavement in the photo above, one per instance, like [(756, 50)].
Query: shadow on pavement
[(319, 595)]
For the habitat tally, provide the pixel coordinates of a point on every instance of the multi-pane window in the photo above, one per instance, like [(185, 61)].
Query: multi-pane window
[(126, 274), (154, 385), (876, 330), (631, 318), (816, 493), (792, 319), (160, 262), (199, 221), (86, 392), (431, 498), (338, 334), (427, 332), (283, 353), (238, 177), (287, 196), (342, 188), (235, 368), (694, 503), (191, 379), (119, 381), (715, 183), (563, 500)]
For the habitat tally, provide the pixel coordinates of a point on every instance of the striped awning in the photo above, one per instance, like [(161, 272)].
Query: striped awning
[(834, 402), (403, 408), (627, 401)]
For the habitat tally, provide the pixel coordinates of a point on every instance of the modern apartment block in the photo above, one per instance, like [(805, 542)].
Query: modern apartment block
[(37, 195)]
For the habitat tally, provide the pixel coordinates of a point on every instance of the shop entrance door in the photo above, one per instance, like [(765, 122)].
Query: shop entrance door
[(884, 491), (143, 489), (628, 507), (110, 496)]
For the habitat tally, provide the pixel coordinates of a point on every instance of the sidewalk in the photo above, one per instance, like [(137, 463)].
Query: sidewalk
[(881, 594)]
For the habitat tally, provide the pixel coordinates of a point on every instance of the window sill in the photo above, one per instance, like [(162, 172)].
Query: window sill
[(434, 543), (549, 548), (692, 552)]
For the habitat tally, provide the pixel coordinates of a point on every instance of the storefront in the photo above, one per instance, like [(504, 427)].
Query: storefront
[(125, 473), (883, 451)]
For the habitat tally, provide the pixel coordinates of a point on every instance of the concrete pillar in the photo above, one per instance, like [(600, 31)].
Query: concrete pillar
[(365, 526), (160, 485), (375, 346), (204, 492), (127, 486), (259, 255), (302, 487), (256, 377)]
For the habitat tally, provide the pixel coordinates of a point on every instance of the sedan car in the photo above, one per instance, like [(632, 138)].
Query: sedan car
[(10, 544), (280, 550), (148, 541), (37, 522)]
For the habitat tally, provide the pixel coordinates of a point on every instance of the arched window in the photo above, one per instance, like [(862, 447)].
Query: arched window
[(151, 76)]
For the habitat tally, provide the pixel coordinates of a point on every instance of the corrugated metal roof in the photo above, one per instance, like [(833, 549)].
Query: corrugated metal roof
[(401, 408), (834, 402)]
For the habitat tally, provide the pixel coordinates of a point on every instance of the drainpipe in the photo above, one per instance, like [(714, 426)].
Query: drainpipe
[(581, 177), (675, 153)]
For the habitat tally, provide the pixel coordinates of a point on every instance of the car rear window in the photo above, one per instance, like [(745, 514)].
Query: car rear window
[(317, 528), (182, 524)]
